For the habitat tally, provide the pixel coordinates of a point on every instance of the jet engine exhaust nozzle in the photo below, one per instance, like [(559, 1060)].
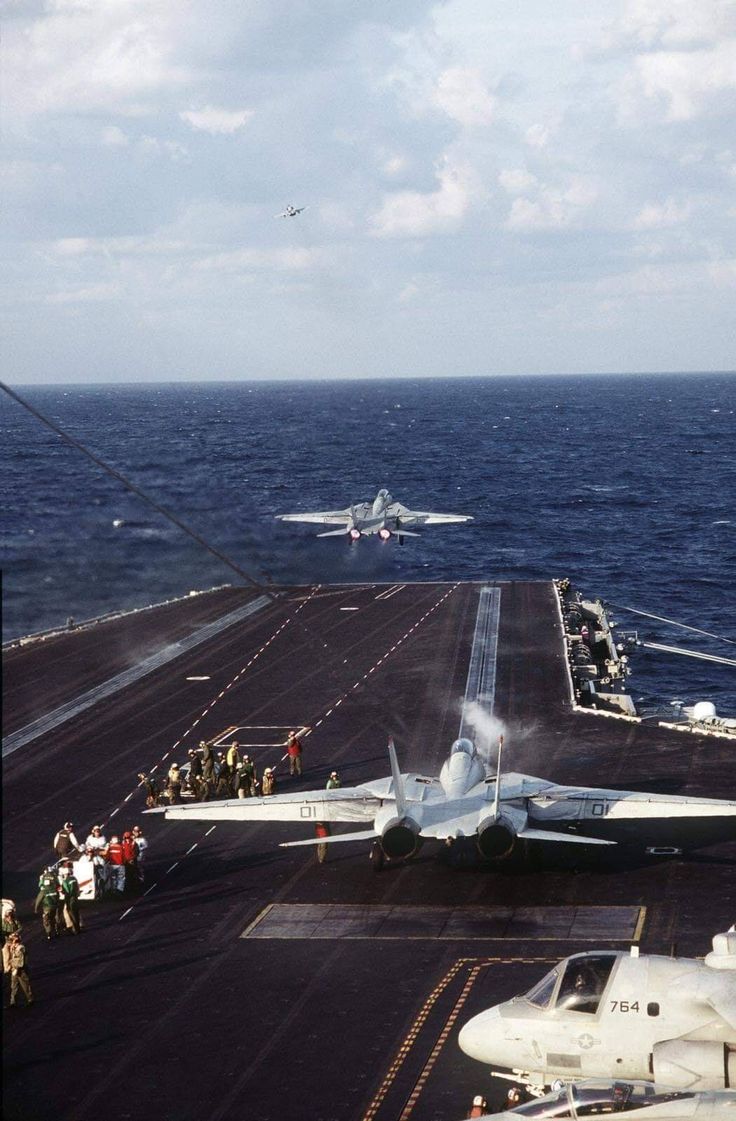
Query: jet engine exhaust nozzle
[(400, 840), (384, 534), (496, 839), (354, 535)]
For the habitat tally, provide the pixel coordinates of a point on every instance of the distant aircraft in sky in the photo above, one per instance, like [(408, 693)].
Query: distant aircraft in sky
[(610, 1014), (383, 516), (498, 812), (290, 212)]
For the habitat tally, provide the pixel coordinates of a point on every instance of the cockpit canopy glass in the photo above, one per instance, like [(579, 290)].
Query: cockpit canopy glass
[(583, 982), (464, 747), (592, 1098), (541, 994)]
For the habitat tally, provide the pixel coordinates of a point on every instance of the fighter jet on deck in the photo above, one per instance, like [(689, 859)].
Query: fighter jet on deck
[(290, 212), (497, 812), (617, 1015), (383, 516), (648, 1102)]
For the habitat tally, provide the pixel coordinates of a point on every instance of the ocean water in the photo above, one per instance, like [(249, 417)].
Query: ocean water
[(626, 484)]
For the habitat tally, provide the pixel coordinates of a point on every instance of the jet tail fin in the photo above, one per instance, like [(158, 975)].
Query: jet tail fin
[(398, 782), (497, 797)]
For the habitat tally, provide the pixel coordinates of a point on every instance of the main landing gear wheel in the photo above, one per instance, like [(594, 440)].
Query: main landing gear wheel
[(377, 857)]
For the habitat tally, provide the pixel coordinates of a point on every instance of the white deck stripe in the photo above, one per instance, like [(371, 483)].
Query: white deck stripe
[(121, 681), (481, 683)]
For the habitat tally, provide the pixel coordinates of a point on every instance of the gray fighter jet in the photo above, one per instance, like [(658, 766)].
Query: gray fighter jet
[(383, 516), (606, 1014), (650, 1102), (290, 212), (498, 812)]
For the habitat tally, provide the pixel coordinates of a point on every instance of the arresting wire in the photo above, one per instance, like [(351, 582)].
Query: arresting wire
[(141, 493), (672, 622)]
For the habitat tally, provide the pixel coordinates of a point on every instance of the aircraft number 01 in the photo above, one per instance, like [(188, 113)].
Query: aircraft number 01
[(625, 1005)]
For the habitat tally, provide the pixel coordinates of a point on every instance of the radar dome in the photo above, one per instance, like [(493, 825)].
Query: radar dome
[(704, 710)]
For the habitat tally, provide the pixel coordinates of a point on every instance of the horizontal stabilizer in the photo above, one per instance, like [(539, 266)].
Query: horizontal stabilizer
[(405, 533), (334, 532), (549, 835), (361, 835)]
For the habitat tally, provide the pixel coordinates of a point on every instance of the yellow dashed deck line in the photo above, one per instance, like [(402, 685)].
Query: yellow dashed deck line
[(477, 965)]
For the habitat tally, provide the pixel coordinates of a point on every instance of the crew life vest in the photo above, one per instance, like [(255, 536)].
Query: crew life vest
[(63, 844)]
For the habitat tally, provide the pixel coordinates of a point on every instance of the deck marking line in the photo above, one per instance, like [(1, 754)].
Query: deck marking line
[(128, 677), (173, 747)]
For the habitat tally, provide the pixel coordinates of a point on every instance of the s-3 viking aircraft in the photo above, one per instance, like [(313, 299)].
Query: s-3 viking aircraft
[(650, 1103), (403, 810), (382, 516), (617, 1015)]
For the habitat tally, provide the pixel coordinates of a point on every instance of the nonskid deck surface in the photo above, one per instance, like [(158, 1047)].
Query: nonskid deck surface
[(163, 1009)]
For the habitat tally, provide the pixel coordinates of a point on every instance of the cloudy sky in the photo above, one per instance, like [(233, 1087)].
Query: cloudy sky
[(491, 188)]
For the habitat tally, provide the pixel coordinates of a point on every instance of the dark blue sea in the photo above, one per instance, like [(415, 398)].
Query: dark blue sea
[(626, 484)]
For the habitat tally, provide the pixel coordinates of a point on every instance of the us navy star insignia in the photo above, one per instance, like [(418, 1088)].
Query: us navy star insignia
[(587, 1041)]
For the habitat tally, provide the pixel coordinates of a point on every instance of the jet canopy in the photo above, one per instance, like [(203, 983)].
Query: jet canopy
[(464, 747), (574, 986), (592, 1097)]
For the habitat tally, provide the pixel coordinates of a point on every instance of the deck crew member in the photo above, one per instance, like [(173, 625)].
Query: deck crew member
[(208, 765), (232, 759), (141, 845), (268, 785), (151, 787), (294, 751), (174, 784), (10, 920), (65, 843), (195, 764), (69, 894), (322, 827), (247, 778), (223, 788), (130, 861), (14, 963), (48, 900), (116, 862), (97, 841)]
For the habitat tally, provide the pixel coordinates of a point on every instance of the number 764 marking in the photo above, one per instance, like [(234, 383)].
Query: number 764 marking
[(624, 1005)]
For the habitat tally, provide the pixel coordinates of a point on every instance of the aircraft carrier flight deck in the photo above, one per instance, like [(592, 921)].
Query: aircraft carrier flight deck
[(252, 981)]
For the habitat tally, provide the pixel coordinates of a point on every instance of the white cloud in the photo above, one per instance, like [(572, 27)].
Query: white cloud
[(394, 165), (660, 215), (218, 122), (538, 136), (552, 208), (113, 137), (87, 56), (516, 181), (687, 80), (283, 260), (464, 97), (90, 293), (648, 23), (414, 214)]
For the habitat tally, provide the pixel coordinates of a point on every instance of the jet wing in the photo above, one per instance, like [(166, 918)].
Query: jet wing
[(306, 806), (320, 517), (422, 517)]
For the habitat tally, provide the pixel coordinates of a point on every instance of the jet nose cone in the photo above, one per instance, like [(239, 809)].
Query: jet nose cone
[(478, 1036)]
